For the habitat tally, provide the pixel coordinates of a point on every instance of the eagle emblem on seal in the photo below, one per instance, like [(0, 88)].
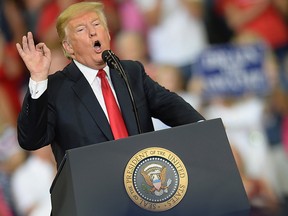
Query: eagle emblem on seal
[(155, 177)]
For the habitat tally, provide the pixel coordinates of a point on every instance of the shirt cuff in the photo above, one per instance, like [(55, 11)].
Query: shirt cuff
[(37, 88)]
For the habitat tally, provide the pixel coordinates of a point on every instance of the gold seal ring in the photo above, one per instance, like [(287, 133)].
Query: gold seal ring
[(155, 179)]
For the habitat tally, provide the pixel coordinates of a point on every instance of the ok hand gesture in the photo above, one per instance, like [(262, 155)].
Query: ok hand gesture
[(36, 58)]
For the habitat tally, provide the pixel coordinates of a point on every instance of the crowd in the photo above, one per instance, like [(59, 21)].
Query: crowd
[(168, 37)]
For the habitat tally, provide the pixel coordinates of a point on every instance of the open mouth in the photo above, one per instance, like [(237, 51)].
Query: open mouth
[(97, 46)]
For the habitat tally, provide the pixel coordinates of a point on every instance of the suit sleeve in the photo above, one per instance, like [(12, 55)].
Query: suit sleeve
[(32, 124), (169, 107)]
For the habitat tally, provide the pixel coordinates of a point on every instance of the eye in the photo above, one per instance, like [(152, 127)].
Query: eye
[(80, 29), (96, 23)]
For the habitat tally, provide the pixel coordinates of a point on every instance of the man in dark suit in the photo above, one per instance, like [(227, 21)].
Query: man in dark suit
[(67, 109)]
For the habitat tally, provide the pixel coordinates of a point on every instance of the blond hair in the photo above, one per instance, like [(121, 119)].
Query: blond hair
[(75, 10)]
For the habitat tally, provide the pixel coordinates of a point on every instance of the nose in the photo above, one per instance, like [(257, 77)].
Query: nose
[(92, 32)]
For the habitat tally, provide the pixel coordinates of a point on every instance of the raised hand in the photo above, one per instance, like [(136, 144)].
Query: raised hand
[(36, 58)]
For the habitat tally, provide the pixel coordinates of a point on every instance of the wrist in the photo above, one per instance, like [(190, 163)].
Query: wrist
[(38, 78)]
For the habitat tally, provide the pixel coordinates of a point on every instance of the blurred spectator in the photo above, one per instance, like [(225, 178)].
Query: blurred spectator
[(217, 29), (11, 78), (132, 18), (257, 17), (111, 9), (31, 10), (132, 45), (31, 182), (276, 117), (11, 156), (12, 72), (276, 130), (176, 32), (263, 200), (11, 23), (243, 122)]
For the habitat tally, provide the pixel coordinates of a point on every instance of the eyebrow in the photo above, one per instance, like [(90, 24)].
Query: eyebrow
[(83, 24)]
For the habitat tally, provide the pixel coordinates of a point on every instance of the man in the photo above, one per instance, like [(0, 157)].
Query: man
[(62, 109)]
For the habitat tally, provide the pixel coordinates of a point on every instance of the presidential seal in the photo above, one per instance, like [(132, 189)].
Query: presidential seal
[(156, 179)]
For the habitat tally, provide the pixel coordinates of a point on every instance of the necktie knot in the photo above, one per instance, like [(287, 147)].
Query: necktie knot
[(101, 74)]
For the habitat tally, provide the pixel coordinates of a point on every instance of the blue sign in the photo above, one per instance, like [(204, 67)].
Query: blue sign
[(233, 70)]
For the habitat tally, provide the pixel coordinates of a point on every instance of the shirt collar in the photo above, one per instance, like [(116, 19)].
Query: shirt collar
[(90, 73)]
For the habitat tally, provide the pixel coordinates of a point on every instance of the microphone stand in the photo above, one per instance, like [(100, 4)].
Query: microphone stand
[(115, 63)]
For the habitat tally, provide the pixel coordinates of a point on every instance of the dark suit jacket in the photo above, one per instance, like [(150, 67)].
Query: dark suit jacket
[(68, 114)]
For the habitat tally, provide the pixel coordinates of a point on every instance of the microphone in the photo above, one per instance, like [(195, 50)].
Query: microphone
[(110, 58), (113, 62)]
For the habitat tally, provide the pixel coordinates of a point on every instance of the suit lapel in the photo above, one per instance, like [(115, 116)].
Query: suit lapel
[(86, 95), (124, 102)]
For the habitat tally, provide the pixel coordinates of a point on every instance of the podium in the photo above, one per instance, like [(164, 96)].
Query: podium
[(93, 180)]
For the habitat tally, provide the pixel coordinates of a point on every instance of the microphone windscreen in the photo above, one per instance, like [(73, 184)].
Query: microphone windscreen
[(110, 58), (105, 55)]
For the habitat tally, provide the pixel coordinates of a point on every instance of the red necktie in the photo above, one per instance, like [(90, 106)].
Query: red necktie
[(116, 121)]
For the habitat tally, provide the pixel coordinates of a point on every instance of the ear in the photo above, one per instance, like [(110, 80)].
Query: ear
[(67, 47)]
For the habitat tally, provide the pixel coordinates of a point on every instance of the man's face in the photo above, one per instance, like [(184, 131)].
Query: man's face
[(86, 39)]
